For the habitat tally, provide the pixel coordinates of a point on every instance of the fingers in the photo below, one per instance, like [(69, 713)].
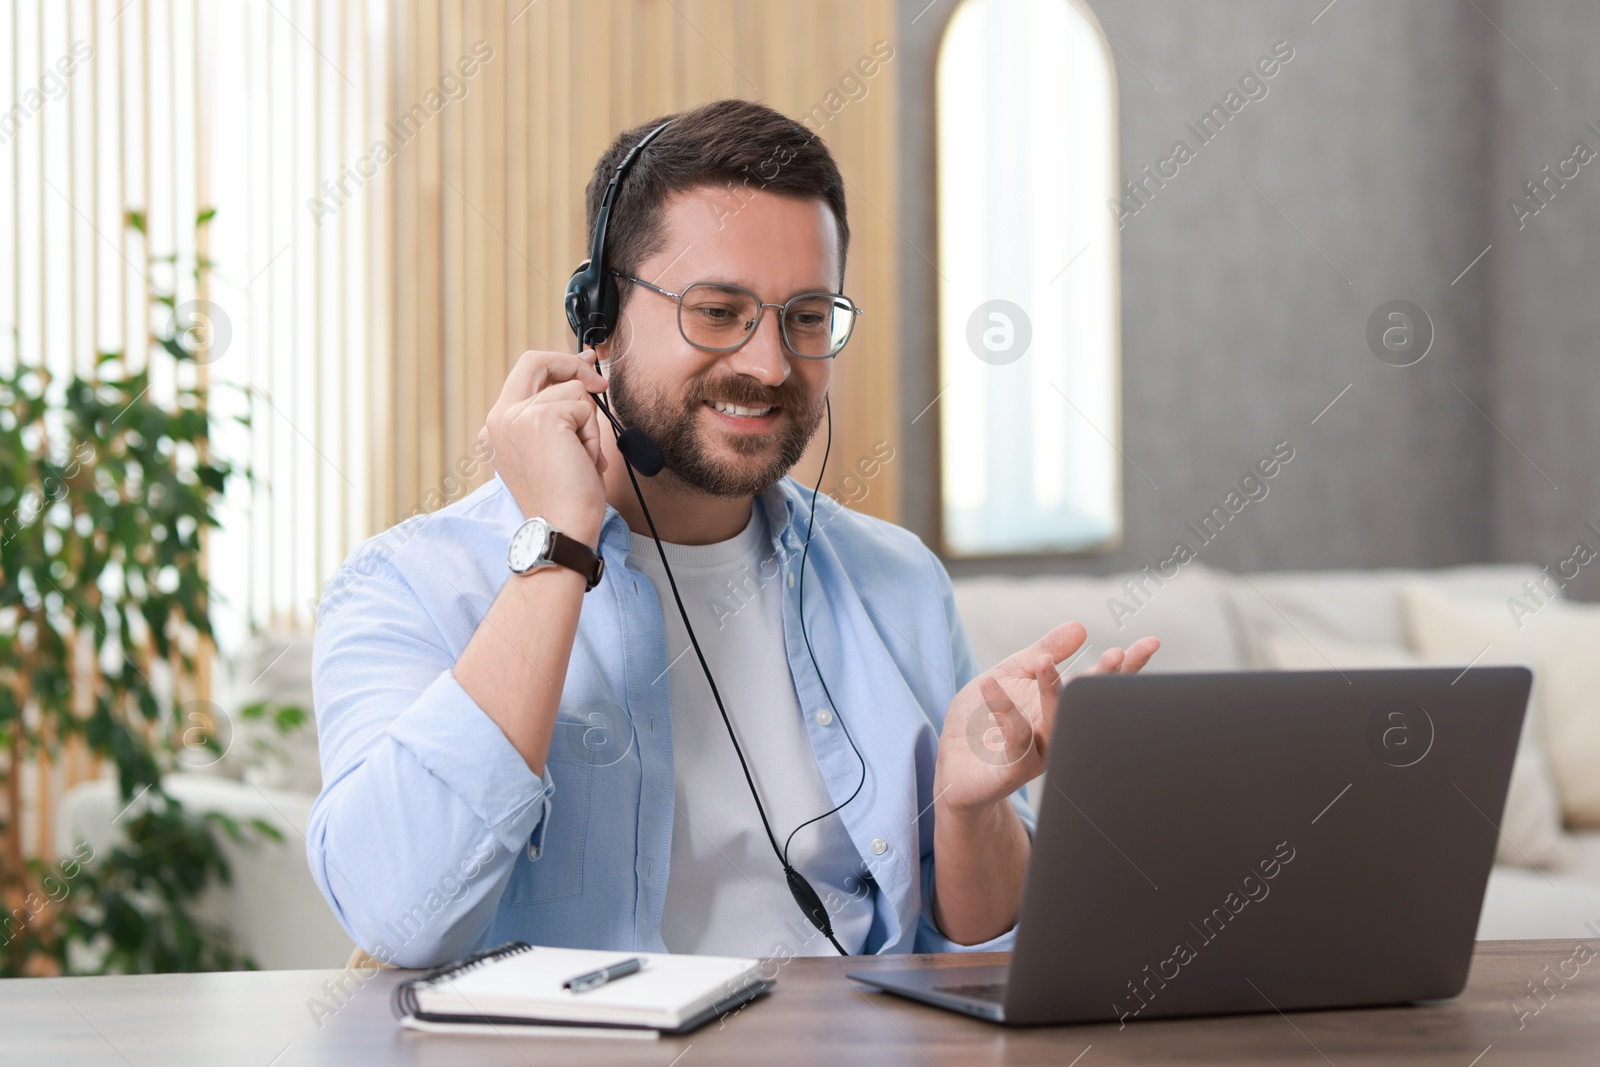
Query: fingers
[(1108, 662), (1046, 672), (580, 417), (568, 401), (589, 435), (1049, 682), (1139, 654), (1129, 661), (1059, 644), (535, 371), (568, 392), (1016, 732)]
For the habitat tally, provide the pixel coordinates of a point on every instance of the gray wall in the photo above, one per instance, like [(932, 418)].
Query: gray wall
[(1546, 330), (1390, 142)]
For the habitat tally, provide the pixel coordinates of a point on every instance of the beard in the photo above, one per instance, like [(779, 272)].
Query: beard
[(674, 424)]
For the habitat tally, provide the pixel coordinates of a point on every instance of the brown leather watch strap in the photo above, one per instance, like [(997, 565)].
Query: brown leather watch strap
[(574, 555)]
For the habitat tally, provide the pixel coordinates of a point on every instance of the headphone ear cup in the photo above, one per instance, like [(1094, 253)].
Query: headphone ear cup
[(591, 303), (578, 300), (608, 308)]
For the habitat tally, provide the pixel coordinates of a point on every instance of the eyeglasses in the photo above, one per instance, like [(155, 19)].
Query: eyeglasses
[(716, 317)]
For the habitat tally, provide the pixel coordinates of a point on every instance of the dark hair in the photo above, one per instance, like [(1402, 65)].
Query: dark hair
[(738, 145)]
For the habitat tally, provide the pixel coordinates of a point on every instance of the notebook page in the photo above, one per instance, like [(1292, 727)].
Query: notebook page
[(530, 984)]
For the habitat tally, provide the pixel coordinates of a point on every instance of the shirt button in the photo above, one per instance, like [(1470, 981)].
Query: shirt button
[(879, 846), (824, 716), (791, 579), (533, 851)]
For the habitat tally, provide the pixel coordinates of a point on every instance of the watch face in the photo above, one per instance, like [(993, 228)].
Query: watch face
[(529, 545)]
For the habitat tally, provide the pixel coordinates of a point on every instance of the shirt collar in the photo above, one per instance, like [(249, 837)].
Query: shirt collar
[(781, 502)]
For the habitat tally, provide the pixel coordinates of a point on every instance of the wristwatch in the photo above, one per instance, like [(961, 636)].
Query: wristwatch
[(537, 544)]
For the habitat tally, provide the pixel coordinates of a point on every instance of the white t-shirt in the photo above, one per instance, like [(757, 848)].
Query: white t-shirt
[(726, 894)]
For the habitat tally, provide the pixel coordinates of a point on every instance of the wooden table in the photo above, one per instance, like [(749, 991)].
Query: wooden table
[(815, 1016)]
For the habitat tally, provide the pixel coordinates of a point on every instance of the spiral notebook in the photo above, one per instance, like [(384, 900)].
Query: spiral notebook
[(520, 985)]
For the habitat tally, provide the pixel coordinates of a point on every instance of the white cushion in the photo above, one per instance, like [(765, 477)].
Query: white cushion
[(1003, 615), (1530, 828), (1561, 642), (1349, 605), (1291, 652)]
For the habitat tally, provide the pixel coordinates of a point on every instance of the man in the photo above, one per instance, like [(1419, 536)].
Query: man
[(507, 756)]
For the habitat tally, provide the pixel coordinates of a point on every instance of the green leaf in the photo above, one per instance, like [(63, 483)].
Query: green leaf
[(206, 215), (135, 219), (289, 719), (266, 830)]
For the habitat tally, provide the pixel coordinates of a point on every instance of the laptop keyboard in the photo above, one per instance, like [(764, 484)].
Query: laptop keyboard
[(994, 992)]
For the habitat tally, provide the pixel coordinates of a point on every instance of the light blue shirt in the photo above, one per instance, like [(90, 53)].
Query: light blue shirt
[(432, 838)]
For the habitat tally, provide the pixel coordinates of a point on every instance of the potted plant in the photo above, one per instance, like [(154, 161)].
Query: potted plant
[(107, 487)]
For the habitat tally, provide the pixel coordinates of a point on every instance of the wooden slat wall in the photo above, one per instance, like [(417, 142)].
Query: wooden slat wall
[(486, 220)]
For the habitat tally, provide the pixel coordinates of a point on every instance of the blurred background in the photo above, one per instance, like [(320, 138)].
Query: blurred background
[(1262, 325)]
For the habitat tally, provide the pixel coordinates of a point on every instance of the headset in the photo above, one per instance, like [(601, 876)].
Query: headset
[(592, 301)]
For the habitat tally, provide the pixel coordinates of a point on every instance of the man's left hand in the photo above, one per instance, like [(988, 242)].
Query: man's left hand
[(997, 728)]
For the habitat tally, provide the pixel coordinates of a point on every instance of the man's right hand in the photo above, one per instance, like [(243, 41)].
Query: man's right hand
[(543, 436)]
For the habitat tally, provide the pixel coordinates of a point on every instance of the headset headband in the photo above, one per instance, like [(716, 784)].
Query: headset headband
[(592, 299)]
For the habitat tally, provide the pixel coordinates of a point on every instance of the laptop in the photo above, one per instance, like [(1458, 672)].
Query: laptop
[(1251, 842)]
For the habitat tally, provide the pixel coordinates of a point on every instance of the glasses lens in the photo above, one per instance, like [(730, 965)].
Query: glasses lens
[(818, 324), (716, 316)]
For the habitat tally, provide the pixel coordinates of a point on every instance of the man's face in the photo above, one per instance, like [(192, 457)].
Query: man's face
[(774, 246)]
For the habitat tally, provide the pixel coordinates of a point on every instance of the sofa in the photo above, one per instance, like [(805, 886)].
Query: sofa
[(1546, 882)]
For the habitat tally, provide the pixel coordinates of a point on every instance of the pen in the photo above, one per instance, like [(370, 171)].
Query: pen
[(595, 979)]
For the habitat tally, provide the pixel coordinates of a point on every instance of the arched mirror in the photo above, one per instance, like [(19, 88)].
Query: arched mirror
[(1030, 451)]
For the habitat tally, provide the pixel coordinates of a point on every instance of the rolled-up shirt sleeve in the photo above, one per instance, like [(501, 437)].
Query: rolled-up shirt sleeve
[(425, 803), (929, 937)]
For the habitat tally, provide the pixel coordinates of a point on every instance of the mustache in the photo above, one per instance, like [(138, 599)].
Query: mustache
[(746, 393)]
